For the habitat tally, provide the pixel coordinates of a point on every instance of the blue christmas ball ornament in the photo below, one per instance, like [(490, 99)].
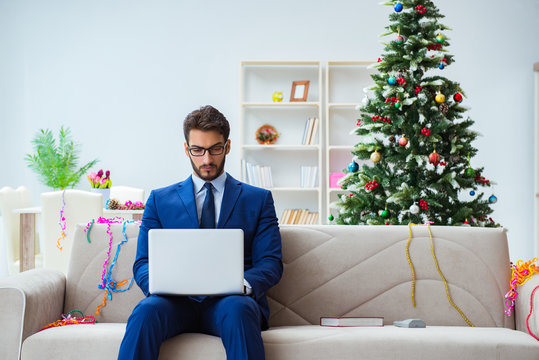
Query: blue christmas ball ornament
[(472, 193), (353, 166), (392, 80), (398, 7), (441, 66), (492, 199)]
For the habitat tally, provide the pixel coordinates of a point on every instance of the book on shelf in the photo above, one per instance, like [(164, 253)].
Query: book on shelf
[(311, 128), (298, 217), (344, 321), (309, 176), (256, 175), (315, 125)]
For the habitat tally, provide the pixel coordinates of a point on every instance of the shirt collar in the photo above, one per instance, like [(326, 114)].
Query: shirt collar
[(218, 183)]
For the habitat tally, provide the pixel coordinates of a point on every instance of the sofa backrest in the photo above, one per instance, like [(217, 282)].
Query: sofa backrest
[(333, 270)]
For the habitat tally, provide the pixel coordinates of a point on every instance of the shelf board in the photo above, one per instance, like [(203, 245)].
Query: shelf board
[(343, 105), (336, 190), (281, 104), (351, 63), (280, 63), (294, 189), (281, 147), (340, 147)]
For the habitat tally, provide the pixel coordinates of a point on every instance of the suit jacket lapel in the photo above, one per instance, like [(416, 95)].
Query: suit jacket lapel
[(232, 192), (187, 196)]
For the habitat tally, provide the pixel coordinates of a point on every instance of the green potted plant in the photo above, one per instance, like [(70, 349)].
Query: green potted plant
[(56, 163)]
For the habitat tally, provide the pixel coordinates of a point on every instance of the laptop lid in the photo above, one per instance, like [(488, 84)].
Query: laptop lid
[(195, 261)]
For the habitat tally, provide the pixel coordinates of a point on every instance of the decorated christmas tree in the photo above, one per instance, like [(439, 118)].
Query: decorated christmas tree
[(413, 130)]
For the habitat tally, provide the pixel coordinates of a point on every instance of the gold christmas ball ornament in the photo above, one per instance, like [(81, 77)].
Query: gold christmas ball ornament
[(440, 98), (376, 156)]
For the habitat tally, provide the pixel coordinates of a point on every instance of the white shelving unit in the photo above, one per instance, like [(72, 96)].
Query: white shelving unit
[(344, 88), (259, 80)]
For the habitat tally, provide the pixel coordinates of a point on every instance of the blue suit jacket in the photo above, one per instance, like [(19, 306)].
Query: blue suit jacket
[(244, 207)]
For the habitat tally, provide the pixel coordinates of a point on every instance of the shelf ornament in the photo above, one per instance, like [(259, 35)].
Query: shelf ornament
[(277, 96), (266, 135)]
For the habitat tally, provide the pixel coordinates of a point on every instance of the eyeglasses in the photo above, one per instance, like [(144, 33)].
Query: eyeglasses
[(200, 151)]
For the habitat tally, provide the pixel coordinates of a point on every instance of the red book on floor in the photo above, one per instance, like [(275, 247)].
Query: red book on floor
[(351, 321)]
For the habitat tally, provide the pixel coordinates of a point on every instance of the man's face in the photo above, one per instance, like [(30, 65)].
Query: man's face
[(207, 166)]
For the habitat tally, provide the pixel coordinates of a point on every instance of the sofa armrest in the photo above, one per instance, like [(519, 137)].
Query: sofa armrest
[(523, 306), (30, 300)]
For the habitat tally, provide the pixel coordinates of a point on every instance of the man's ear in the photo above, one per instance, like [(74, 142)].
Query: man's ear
[(227, 147), (186, 149)]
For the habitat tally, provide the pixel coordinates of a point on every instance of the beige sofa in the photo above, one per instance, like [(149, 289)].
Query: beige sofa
[(329, 271)]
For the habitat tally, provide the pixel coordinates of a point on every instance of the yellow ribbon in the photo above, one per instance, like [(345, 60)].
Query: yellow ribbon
[(437, 268)]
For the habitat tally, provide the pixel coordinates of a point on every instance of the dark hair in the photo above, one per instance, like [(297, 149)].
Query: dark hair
[(206, 118)]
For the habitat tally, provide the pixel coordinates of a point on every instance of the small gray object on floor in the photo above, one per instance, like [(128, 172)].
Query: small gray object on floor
[(410, 323)]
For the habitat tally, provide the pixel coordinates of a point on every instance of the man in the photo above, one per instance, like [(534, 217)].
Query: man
[(237, 319)]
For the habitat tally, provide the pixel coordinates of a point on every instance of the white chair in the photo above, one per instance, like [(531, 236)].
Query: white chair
[(126, 193), (80, 208), (11, 199)]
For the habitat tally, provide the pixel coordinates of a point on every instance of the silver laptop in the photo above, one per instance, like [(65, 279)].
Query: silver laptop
[(195, 261)]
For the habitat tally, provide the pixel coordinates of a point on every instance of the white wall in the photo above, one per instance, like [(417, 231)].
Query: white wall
[(123, 75)]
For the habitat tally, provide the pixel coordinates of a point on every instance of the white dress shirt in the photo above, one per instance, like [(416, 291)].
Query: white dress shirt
[(218, 191)]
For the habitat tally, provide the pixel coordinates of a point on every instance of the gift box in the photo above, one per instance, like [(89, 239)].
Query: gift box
[(333, 178)]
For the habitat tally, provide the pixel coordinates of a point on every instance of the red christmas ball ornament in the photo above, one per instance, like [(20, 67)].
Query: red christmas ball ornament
[(457, 97), (434, 158), (403, 141)]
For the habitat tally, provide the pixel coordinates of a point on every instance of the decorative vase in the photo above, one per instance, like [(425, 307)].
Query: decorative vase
[(105, 193)]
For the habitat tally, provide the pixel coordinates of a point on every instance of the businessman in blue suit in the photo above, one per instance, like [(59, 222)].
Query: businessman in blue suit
[(208, 198)]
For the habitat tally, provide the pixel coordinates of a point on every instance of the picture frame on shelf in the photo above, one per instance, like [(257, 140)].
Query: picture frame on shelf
[(299, 92)]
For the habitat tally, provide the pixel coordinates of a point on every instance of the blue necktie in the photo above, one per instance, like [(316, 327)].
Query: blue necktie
[(207, 219)]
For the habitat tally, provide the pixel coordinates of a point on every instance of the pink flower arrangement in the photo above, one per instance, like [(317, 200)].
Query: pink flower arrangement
[(129, 205), (98, 181)]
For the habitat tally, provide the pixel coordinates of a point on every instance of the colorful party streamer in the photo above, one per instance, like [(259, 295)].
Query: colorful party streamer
[(530, 314), (107, 283), (520, 274), (62, 223), (67, 319)]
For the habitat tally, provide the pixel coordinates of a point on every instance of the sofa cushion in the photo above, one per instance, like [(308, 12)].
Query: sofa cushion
[(389, 342), (102, 341)]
